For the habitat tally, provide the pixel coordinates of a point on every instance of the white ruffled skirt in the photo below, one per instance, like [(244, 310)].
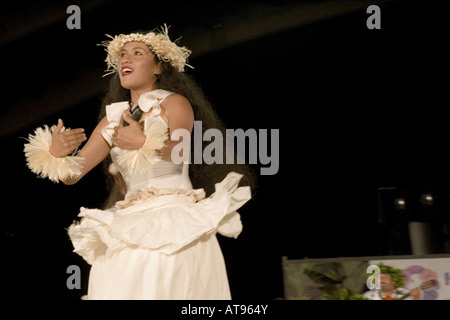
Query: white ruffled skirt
[(162, 246)]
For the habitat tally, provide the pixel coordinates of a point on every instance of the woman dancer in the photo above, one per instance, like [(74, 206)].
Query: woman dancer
[(159, 241)]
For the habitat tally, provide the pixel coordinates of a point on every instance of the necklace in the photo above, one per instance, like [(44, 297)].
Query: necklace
[(133, 108)]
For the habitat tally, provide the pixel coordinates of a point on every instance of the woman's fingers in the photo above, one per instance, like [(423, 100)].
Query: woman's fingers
[(127, 118), (75, 134), (72, 132), (59, 126), (69, 145), (64, 143)]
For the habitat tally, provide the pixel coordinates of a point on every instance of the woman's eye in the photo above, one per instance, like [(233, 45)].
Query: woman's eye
[(138, 53)]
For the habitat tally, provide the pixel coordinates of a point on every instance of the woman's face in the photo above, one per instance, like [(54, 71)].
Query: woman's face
[(137, 67)]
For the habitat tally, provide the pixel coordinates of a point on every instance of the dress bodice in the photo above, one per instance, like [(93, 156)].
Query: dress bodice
[(160, 174)]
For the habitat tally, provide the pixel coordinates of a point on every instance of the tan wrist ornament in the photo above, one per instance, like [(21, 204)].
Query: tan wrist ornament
[(43, 163)]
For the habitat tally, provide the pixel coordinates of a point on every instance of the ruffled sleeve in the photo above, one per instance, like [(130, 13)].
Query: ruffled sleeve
[(151, 100), (114, 113)]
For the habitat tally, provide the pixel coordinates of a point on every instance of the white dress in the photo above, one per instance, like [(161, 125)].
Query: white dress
[(160, 242)]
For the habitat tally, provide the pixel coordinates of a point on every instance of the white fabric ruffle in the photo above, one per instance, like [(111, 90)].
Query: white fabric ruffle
[(149, 100), (114, 113), (166, 223)]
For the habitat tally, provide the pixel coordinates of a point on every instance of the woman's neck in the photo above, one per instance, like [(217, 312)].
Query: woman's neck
[(135, 94)]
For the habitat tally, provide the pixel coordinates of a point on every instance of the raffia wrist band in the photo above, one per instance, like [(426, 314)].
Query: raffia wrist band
[(141, 160), (43, 163)]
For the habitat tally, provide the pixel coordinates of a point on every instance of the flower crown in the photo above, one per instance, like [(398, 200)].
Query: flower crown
[(158, 42)]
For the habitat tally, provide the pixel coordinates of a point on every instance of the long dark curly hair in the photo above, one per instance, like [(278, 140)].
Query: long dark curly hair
[(201, 175)]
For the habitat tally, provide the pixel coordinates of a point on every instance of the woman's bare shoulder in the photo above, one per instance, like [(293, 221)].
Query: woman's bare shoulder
[(177, 104), (176, 99)]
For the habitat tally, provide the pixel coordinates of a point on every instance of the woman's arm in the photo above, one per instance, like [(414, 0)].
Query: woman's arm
[(94, 151), (178, 114)]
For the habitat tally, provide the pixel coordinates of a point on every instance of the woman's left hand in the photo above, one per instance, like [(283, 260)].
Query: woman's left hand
[(130, 137)]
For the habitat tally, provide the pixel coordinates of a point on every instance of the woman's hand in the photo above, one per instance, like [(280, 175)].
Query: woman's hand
[(130, 137), (64, 143)]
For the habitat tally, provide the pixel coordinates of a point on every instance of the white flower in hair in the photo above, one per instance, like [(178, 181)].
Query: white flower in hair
[(158, 42)]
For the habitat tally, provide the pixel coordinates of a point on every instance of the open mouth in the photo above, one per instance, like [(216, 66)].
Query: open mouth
[(126, 71)]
